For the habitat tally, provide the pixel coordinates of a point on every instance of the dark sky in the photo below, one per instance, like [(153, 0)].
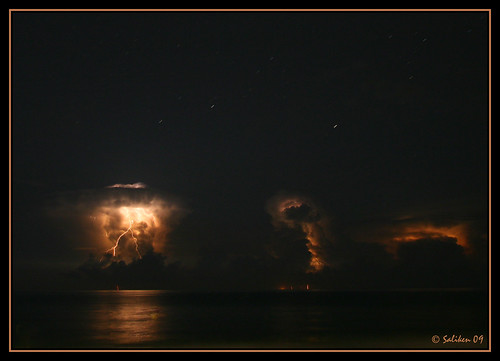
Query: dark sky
[(378, 119)]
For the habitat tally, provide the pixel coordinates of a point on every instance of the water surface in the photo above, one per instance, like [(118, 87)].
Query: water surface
[(248, 320)]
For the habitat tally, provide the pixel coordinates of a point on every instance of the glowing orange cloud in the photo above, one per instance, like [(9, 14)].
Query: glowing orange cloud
[(130, 185), (300, 212), (414, 232), (121, 222), (138, 218), (134, 227)]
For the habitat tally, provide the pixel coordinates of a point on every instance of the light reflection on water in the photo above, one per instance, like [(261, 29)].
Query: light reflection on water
[(128, 317), (164, 319)]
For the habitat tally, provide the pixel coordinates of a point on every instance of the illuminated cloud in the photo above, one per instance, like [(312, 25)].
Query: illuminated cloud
[(392, 233), (301, 213), (418, 231), (130, 185), (120, 222)]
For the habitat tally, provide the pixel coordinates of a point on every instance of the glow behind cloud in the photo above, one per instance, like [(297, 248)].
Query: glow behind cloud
[(415, 232), (119, 222), (301, 213), (130, 185)]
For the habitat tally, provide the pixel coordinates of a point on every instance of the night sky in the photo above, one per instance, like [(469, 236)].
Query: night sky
[(371, 127)]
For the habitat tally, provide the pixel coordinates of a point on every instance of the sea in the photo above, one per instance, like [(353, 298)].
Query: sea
[(271, 320)]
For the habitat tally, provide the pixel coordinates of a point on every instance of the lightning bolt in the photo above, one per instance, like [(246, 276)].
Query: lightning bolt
[(117, 242), (135, 240)]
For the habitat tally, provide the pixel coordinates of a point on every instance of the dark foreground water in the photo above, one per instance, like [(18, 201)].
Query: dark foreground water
[(258, 320)]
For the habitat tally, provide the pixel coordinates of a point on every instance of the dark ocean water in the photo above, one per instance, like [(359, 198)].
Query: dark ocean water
[(253, 320)]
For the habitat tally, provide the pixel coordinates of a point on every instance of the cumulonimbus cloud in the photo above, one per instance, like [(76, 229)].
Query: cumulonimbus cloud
[(295, 211), (119, 222)]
